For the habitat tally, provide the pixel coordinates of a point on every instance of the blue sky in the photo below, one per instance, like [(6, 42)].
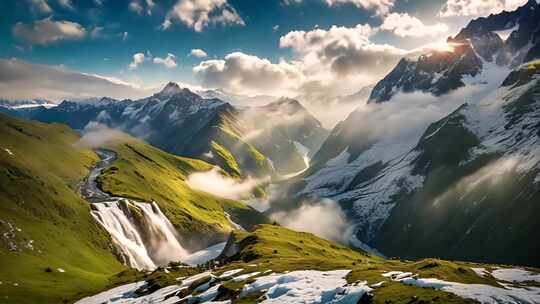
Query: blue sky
[(104, 49)]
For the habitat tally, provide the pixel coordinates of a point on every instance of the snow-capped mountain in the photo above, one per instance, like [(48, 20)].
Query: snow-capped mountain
[(182, 122), (474, 46), (26, 103), (444, 159)]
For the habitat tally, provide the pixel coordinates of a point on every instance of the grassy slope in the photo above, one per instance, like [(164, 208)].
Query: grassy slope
[(146, 173), (280, 249), (38, 195)]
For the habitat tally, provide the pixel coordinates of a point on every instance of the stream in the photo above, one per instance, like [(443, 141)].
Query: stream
[(143, 236)]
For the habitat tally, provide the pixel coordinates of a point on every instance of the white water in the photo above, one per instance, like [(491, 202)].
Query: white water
[(144, 236)]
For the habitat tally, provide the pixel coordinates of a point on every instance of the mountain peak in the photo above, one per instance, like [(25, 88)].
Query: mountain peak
[(170, 89)]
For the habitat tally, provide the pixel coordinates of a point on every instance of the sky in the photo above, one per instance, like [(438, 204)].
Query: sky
[(59, 49)]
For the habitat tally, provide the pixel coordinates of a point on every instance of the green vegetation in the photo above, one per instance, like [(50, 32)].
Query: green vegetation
[(44, 224), (279, 249), (146, 173), (225, 157), (523, 75)]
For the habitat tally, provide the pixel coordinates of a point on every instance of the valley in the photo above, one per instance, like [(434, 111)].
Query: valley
[(360, 163)]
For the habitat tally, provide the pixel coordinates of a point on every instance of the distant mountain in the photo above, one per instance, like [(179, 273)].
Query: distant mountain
[(462, 186), (182, 122), (25, 103), (286, 132), (175, 120)]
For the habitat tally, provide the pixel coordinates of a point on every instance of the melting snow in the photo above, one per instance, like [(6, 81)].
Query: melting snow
[(9, 152), (515, 275), (230, 273), (205, 255), (479, 292), (307, 286)]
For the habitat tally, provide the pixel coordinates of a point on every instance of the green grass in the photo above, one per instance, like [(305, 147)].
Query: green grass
[(230, 164), (146, 173), (280, 249), (38, 195)]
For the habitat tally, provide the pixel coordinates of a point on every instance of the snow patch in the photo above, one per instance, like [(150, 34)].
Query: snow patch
[(205, 255)]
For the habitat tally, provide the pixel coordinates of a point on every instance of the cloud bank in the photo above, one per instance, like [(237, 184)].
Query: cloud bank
[(22, 80)]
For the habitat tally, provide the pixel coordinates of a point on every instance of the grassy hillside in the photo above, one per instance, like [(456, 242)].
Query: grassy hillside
[(146, 173), (272, 248), (44, 224), (280, 249)]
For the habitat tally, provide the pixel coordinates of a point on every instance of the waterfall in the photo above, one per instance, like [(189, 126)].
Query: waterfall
[(144, 236)]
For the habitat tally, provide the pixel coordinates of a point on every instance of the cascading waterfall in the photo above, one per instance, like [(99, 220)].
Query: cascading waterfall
[(143, 234)]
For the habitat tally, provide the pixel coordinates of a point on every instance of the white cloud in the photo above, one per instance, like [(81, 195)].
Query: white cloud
[(23, 80), (340, 60), (214, 183), (324, 219), (96, 134), (168, 62), (135, 6), (381, 7), (138, 58), (47, 31), (198, 53), (67, 4), (477, 8), (405, 25), (98, 2), (39, 7), (239, 72), (199, 14)]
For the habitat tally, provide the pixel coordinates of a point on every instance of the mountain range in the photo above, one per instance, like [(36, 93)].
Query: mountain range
[(461, 183)]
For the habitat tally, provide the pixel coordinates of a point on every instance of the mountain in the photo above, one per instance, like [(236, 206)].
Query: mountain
[(286, 133), (182, 122), (20, 104), (475, 46), (444, 159), (175, 120)]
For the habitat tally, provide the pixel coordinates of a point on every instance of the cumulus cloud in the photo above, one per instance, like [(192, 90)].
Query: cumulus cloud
[(477, 8), (168, 62), (96, 134), (324, 219), (214, 183), (138, 58), (198, 53), (239, 72), (39, 7), (405, 25), (47, 31), (199, 14), (23, 80), (337, 60)]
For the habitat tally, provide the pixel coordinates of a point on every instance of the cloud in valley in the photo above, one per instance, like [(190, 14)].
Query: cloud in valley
[(215, 183), (323, 218), (97, 134)]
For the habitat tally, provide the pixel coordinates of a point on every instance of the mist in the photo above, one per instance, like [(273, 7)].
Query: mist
[(96, 135), (215, 183), (323, 218)]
